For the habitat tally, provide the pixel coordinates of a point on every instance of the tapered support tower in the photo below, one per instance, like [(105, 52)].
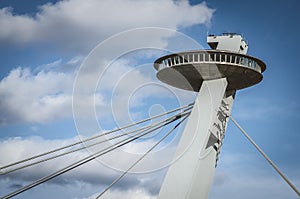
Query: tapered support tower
[(215, 74)]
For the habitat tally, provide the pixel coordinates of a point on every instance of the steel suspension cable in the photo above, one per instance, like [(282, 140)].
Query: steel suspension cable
[(84, 160), (265, 156), (88, 146), (94, 137), (141, 158)]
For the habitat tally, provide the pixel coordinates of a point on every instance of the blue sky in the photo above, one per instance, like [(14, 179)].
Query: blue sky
[(42, 49)]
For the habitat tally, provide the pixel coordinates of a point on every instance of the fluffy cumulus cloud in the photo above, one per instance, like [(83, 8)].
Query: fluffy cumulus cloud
[(129, 194), (79, 25), (45, 93), (232, 179), (42, 95), (35, 96), (93, 174)]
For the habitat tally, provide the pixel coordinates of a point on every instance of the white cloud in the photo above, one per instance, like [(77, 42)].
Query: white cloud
[(45, 93), (232, 179), (91, 174), (30, 97), (80, 25), (125, 194)]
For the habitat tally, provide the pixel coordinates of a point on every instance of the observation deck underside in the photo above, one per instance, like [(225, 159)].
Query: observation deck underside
[(189, 69)]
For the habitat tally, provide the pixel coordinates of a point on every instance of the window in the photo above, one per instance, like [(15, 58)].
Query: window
[(228, 58), (201, 58), (242, 61), (218, 57), (164, 63), (233, 57), (176, 60), (246, 62), (185, 59), (169, 62), (250, 63), (206, 57), (180, 59), (238, 60), (196, 57), (212, 57), (222, 57), (172, 61), (255, 65), (190, 57)]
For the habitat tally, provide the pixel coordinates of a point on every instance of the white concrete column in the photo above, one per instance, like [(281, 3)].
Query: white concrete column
[(190, 176)]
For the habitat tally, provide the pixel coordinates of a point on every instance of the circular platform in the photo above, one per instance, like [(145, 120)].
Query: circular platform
[(187, 70)]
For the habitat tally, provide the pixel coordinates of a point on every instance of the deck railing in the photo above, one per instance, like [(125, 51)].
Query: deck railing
[(211, 57)]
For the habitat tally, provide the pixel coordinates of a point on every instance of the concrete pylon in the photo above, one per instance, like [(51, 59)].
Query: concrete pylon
[(190, 176)]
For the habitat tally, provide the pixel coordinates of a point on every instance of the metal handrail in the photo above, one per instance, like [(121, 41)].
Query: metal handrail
[(211, 57)]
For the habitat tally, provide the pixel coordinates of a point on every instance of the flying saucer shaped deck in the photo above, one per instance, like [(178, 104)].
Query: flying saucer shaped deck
[(187, 70)]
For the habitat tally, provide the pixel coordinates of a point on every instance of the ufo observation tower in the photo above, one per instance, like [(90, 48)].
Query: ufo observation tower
[(216, 75)]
